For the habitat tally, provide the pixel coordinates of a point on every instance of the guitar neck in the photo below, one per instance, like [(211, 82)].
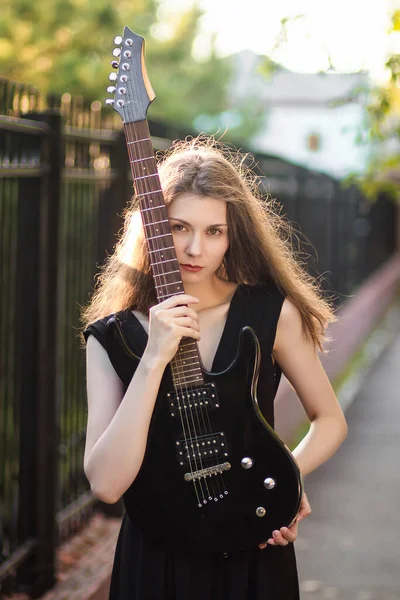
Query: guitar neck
[(186, 365)]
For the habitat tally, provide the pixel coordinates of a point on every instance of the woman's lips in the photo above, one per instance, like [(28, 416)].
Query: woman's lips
[(192, 268)]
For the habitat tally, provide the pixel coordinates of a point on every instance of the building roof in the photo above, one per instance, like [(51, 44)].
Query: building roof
[(288, 87)]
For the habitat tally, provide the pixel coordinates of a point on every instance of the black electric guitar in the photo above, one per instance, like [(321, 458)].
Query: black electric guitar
[(215, 475)]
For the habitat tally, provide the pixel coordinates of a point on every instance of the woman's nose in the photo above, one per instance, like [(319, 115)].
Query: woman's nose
[(194, 246)]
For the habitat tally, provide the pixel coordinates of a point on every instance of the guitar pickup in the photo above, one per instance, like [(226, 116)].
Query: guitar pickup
[(195, 399), (199, 450)]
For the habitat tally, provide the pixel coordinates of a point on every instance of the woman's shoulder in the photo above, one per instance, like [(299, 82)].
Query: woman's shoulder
[(98, 328)]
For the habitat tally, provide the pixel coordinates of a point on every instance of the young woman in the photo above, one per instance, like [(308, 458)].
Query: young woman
[(236, 261)]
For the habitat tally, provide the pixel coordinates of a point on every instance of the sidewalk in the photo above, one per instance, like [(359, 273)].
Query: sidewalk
[(349, 548)]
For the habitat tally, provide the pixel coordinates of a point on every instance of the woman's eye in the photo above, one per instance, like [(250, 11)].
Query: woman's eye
[(177, 227), (214, 231)]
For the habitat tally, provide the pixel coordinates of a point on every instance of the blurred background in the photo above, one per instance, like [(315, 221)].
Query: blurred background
[(312, 89)]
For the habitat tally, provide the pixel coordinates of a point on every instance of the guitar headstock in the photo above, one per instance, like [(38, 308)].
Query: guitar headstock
[(131, 86)]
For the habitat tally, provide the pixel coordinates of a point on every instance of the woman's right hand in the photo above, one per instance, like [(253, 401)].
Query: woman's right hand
[(169, 322)]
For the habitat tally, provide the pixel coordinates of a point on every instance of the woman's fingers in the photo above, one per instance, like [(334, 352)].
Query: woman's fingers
[(182, 311), (188, 322), (283, 537), (288, 535), (263, 545), (177, 300), (188, 332)]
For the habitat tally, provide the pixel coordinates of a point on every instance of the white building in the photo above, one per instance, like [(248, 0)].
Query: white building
[(312, 119)]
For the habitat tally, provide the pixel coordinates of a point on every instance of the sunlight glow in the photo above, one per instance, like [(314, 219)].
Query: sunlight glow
[(348, 35)]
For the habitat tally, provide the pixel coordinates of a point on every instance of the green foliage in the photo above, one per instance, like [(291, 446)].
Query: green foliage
[(184, 86), (383, 122), (66, 46)]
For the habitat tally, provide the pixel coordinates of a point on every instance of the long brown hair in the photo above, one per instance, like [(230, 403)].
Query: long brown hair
[(261, 241)]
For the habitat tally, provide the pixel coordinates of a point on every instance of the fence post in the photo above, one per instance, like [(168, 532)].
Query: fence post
[(48, 420), (26, 348)]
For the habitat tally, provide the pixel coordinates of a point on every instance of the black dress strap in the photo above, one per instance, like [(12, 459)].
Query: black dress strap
[(261, 309), (98, 330), (106, 333)]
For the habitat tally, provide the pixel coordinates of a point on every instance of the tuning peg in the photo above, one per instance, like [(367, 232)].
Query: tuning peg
[(113, 77), (114, 64), (116, 52), (118, 40), (111, 89), (109, 102)]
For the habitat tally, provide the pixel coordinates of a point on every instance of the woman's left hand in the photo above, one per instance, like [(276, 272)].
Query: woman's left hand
[(286, 535)]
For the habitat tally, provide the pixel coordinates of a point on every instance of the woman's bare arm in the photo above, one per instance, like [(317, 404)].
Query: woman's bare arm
[(299, 361), (118, 423)]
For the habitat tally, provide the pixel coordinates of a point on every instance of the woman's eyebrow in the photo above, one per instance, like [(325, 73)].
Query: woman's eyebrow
[(209, 226)]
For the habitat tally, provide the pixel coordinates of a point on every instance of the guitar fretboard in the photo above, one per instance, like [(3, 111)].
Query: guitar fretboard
[(186, 365)]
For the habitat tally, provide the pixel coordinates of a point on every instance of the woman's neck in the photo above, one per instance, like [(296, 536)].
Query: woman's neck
[(210, 294)]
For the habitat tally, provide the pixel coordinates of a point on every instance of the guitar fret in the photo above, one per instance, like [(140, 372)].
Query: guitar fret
[(153, 192), (181, 352), (141, 159), (165, 274), (159, 236), (165, 284), (196, 369), (188, 381), (155, 222), (137, 141), (162, 249), (169, 295), (161, 262), (187, 364), (147, 176)]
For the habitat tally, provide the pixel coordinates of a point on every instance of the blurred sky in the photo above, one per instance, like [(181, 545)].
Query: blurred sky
[(353, 33)]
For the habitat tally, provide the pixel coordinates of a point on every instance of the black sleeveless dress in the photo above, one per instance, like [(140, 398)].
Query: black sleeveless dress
[(145, 570)]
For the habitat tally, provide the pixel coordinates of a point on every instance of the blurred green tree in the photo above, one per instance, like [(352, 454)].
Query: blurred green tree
[(383, 121), (65, 46)]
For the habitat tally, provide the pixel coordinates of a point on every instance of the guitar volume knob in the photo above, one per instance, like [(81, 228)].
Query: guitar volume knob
[(269, 483), (246, 462)]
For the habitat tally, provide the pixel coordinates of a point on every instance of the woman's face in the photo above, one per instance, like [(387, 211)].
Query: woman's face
[(200, 233)]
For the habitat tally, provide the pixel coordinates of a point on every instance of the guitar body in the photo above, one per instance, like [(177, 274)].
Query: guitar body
[(227, 511)]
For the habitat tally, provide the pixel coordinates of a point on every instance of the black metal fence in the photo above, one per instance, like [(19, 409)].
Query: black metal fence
[(63, 182)]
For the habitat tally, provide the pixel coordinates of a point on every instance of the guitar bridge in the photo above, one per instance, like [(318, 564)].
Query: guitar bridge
[(208, 472)]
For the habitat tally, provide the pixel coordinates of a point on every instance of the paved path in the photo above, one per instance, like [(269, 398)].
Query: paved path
[(349, 548)]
